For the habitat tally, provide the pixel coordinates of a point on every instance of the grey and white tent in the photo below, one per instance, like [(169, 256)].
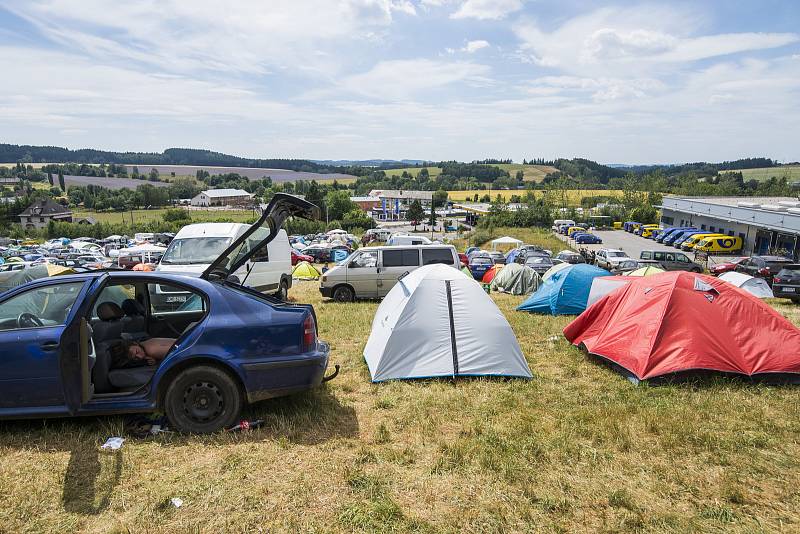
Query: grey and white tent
[(756, 286), (516, 279), (438, 322)]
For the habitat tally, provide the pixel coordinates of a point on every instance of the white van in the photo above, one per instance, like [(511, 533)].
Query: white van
[(195, 246), (370, 272), (405, 239)]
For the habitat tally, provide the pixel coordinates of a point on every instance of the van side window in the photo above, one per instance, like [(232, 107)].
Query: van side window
[(365, 260), (437, 255), (681, 258), (644, 256), (401, 258)]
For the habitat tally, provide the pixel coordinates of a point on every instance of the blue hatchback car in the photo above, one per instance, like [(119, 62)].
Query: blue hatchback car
[(233, 345)]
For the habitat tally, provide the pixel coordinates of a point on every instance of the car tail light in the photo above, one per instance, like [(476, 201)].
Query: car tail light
[(309, 333), (776, 280)]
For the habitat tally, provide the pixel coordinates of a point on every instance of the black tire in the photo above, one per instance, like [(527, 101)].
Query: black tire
[(283, 290), (203, 399), (343, 294)]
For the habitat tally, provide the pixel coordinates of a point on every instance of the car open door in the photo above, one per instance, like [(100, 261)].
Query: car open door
[(258, 236)]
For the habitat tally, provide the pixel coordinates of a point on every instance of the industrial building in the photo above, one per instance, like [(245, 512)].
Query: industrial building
[(221, 197), (765, 224)]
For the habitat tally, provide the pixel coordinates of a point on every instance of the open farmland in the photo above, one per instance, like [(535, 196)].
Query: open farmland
[(277, 175), (413, 171), (109, 183), (573, 196), (791, 172), (530, 173), (576, 449)]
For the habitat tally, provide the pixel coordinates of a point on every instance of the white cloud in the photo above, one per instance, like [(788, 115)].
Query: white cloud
[(400, 79), (616, 40), (474, 46), (486, 9), (234, 36)]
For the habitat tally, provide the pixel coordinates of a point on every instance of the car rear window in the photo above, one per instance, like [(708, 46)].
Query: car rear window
[(790, 270), (437, 255), (481, 261), (401, 258)]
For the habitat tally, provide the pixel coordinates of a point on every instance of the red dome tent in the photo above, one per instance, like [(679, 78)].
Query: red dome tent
[(679, 321), (489, 275)]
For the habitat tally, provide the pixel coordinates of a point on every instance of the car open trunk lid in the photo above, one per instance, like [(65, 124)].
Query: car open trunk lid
[(258, 236)]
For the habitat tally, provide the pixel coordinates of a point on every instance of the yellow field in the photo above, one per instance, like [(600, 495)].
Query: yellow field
[(573, 196), (530, 173)]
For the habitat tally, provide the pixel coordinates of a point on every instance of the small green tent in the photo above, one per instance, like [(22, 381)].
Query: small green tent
[(516, 279)]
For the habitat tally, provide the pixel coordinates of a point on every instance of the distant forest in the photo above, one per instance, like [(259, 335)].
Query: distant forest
[(171, 156)]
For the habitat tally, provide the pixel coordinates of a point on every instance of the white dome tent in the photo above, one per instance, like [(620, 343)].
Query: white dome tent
[(438, 322), (755, 286)]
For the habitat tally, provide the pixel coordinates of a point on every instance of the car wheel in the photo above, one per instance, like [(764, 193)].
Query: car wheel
[(283, 291), (203, 399), (343, 294), (696, 270)]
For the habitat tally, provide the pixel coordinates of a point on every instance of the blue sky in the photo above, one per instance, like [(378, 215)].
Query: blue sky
[(622, 82)]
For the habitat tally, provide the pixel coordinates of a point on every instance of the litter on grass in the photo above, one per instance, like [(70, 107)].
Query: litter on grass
[(113, 444)]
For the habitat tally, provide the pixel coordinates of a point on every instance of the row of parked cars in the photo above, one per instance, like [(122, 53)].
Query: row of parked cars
[(687, 238), (577, 233)]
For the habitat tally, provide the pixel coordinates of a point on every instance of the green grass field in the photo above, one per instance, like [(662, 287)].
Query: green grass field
[(791, 172), (155, 215), (576, 449)]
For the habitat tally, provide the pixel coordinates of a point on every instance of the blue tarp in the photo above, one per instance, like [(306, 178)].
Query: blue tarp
[(339, 254), (512, 256), (564, 293)]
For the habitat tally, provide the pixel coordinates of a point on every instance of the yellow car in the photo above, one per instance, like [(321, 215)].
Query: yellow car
[(647, 229), (721, 244), (696, 238), (574, 229)]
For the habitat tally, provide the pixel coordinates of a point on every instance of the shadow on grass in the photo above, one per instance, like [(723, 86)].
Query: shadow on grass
[(307, 418)]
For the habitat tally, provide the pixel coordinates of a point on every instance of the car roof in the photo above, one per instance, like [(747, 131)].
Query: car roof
[(774, 258)]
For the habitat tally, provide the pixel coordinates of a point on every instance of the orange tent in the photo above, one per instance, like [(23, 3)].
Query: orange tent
[(489, 275)]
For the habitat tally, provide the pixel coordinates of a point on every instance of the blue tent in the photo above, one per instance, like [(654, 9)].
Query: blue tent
[(511, 257), (564, 293)]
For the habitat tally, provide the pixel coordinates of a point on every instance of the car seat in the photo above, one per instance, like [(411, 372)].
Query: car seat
[(133, 323)]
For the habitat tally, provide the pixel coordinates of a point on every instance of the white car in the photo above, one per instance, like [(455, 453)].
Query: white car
[(610, 258)]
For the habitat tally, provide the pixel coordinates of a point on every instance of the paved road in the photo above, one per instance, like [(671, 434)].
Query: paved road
[(633, 245)]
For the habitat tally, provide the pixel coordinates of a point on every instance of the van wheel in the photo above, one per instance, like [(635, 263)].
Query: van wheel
[(283, 291), (203, 399), (343, 294)]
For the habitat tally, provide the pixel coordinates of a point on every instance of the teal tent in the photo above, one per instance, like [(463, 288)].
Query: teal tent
[(564, 293)]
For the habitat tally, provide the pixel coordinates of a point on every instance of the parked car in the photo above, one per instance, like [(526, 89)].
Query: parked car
[(539, 263), (569, 256), (721, 268), (405, 239), (479, 264), (525, 250), (675, 236), (625, 266), (558, 223), (233, 346), (725, 244), (640, 230), (463, 259), (297, 257), (573, 229), (497, 257), (671, 260), (681, 239), (587, 239), (693, 240), (786, 284), (371, 272), (320, 253), (661, 237), (628, 226), (765, 267), (608, 258)]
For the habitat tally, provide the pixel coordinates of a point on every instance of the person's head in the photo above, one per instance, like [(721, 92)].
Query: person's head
[(127, 350)]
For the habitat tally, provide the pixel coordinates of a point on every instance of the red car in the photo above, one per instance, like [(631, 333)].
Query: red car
[(297, 257), (726, 267), (464, 259)]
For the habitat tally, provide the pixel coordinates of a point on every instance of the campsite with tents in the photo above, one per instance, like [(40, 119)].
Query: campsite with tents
[(545, 434)]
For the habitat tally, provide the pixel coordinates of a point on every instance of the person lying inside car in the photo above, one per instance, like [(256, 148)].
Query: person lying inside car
[(151, 351)]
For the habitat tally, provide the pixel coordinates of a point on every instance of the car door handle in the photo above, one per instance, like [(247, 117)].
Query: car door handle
[(49, 345)]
